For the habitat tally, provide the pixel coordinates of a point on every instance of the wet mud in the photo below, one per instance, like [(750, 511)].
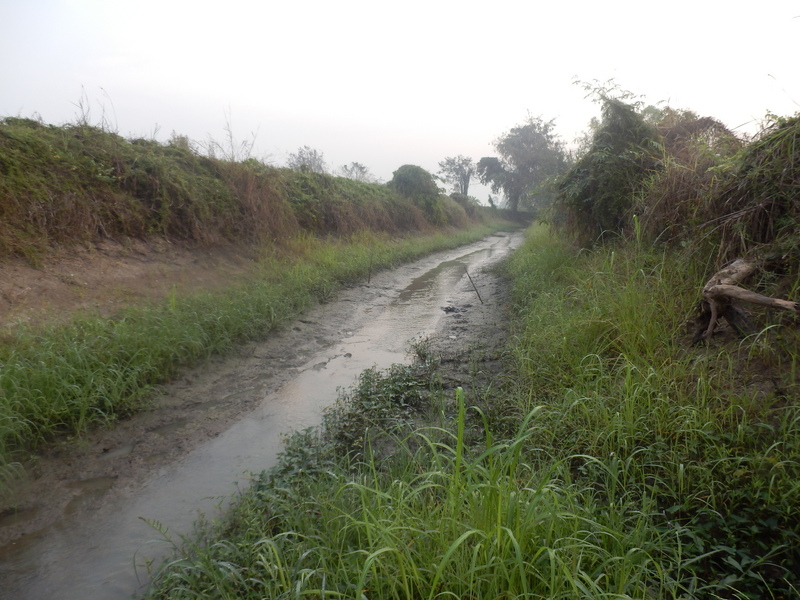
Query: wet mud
[(95, 512)]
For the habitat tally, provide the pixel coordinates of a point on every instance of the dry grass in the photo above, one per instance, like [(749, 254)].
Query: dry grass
[(758, 209), (695, 150)]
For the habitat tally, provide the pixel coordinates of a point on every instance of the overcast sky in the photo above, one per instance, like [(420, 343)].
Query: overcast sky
[(388, 83)]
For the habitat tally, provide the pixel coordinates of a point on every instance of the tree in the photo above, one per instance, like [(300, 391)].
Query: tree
[(307, 159), (357, 172), (457, 171), (414, 182), (417, 184), (531, 156)]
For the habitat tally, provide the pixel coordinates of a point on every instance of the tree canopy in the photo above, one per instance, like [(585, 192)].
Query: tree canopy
[(458, 172), (531, 155)]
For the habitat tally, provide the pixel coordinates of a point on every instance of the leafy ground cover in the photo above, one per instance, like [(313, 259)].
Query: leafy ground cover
[(613, 459)]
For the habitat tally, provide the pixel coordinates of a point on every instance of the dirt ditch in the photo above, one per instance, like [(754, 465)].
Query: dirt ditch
[(84, 483)]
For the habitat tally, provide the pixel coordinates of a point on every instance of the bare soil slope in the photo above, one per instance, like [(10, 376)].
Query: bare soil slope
[(111, 274)]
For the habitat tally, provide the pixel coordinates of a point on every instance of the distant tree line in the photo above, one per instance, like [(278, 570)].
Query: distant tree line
[(530, 157)]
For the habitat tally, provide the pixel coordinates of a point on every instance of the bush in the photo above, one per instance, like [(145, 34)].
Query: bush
[(697, 153), (597, 192), (417, 184), (414, 182)]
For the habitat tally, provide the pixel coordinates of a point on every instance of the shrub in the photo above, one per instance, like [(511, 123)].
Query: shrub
[(597, 192), (697, 152)]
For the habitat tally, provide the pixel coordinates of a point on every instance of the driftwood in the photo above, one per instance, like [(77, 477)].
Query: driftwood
[(721, 293)]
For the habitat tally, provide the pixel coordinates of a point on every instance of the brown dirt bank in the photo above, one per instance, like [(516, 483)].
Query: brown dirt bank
[(111, 274)]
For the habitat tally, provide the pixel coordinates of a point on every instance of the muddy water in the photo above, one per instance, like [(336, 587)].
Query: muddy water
[(105, 558)]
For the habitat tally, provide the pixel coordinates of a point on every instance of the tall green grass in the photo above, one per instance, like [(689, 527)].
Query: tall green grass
[(440, 520), (637, 466), (604, 349), (64, 379)]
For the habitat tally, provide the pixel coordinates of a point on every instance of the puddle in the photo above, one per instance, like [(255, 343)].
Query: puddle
[(89, 491), (101, 558), (169, 427), (117, 452)]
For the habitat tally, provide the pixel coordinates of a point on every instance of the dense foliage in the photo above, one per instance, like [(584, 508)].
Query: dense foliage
[(75, 183), (416, 184), (758, 205), (601, 186), (698, 152)]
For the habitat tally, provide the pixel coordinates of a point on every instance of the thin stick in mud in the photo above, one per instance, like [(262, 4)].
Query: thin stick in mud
[(474, 287)]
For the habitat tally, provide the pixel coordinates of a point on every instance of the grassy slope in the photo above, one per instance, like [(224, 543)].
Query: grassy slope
[(73, 183), (632, 467)]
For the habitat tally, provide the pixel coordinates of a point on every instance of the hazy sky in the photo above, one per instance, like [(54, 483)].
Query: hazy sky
[(387, 83)]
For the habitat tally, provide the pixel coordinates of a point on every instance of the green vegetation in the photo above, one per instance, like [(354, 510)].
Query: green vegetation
[(416, 184), (621, 466), (613, 459), (75, 183), (599, 189), (63, 379), (458, 172), (695, 433), (531, 156)]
